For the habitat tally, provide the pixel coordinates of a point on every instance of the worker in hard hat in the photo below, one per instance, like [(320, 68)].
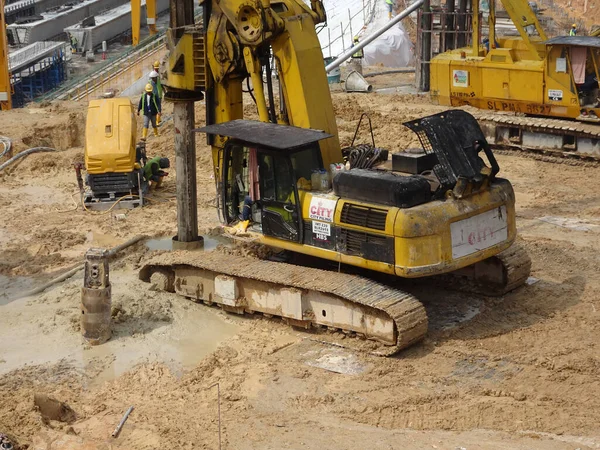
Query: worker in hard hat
[(153, 172), (573, 31), (358, 54), (154, 80), (155, 68), (390, 5), (151, 108), (73, 40)]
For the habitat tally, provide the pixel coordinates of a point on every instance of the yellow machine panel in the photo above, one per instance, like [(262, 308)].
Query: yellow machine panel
[(110, 136)]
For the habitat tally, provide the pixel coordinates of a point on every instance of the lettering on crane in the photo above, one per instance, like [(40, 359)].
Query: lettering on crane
[(321, 209), (518, 107)]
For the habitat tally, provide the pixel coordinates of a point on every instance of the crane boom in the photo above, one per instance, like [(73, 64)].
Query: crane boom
[(526, 22)]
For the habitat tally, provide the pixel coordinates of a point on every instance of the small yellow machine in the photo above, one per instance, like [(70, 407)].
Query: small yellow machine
[(113, 162), (530, 74)]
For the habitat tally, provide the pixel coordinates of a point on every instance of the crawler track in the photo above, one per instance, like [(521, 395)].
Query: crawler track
[(495, 276), (311, 297), (303, 296), (545, 137)]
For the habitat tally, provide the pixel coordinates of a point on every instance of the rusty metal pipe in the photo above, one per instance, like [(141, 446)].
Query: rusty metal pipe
[(96, 298)]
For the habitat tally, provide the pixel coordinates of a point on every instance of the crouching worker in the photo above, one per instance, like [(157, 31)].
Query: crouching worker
[(153, 171)]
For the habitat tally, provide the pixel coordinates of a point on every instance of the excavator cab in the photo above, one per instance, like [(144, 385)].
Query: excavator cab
[(272, 165)]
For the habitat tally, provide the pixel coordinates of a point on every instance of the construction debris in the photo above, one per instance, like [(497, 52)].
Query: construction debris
[(52, 409)]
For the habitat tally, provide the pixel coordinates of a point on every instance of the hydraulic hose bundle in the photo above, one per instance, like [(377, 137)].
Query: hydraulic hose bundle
[(364, 156)]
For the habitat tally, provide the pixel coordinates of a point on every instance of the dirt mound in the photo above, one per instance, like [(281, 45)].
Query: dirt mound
[(135, 311)]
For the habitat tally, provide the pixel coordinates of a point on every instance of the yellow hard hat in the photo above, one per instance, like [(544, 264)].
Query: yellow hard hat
[(156, 64), (574, 25), (355, 38), (149, 88)]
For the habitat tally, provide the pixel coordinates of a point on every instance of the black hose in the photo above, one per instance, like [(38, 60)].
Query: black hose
[(364, 156), (25, 153), (250, 90), (386, 72)]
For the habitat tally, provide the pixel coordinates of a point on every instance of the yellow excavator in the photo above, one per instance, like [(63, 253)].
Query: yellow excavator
[(447, 213), (529, 75)]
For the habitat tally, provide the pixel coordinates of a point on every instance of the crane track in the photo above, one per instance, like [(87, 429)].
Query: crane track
[(548, 139), (363, 301)]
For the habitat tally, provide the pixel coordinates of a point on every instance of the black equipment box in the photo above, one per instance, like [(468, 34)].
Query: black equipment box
[(413, 163)]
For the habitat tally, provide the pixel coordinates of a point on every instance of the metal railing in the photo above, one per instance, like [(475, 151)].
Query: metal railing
[(367, 11), (81, 88)]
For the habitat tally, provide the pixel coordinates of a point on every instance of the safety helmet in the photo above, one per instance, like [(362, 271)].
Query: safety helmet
[(149, 88), (153, 74), (574, 25), (156, 64), (355, 38), (164, 163)]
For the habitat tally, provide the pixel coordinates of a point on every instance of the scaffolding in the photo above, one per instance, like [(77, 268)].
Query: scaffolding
[(439, 31), (37, 69)]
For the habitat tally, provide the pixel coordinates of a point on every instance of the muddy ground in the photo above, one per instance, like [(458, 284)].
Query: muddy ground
[(521, 371)]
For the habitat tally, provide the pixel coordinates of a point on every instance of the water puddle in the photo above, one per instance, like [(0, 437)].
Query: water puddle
[(12, 288), (35, 195), (570, 222), (336, 360), (96, 239), (166, 243), (179, 345), (187, 334)]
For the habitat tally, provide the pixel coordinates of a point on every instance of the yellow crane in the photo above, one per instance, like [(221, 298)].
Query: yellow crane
[(530, 75), (5, 85), (136, 7)]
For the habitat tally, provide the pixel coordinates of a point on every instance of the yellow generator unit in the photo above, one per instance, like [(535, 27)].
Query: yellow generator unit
[(112, 160)]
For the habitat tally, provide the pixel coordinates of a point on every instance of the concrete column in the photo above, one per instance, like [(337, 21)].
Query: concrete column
[(185, 165)]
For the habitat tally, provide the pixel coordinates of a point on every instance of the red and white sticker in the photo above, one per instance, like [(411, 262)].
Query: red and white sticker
[(322, 209), (479, 232)]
